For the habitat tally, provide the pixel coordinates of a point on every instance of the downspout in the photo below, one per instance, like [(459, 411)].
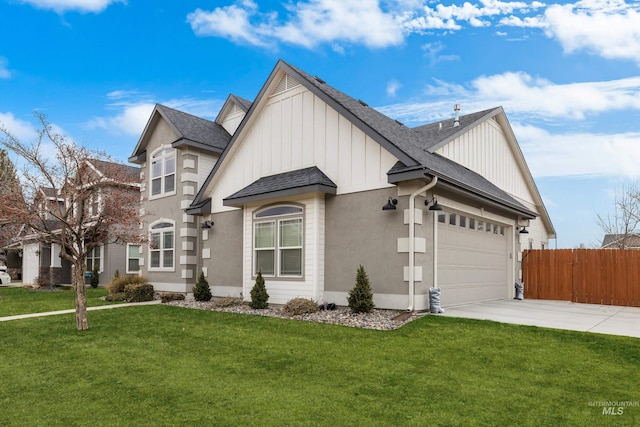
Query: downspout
[(412, 235)]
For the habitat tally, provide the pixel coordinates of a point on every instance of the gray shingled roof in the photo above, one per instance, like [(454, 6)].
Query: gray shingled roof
[(410, 146), (194, 129), (283, 184), (128, 173), (415, 144), (243, 103), (436, 133)]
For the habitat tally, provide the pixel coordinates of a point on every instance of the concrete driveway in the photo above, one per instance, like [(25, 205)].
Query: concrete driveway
[(603, 319)]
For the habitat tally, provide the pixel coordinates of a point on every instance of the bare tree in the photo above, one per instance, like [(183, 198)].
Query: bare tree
[(623, 226), (95, 201)]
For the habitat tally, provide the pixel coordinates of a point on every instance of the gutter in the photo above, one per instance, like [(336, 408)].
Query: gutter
[(412, 244)]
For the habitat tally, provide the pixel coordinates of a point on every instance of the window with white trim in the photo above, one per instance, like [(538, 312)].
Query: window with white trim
[(94, 257), (278, 241), (133, 258), (162, 246), (163, 172)]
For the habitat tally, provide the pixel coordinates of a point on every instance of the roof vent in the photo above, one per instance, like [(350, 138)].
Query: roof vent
[(319, 80), (399, 122), (456, 119), (362, 103), (440, 126)]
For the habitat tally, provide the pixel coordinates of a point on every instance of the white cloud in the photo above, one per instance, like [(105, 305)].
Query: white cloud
[(451, 17), (231, 22), (130, 120), (21, 129), (307, 24), (610, 29), (392, 87), (521, 93), (432, 51), (84, 6), (133, 110), (4, 68), (570, 154)]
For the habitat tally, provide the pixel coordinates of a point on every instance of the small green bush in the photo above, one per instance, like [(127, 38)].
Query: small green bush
[(202, 291), (361, 297), (118, 283), (228, 302), (137, 292), (171, 296), (298, 306), (259, 295)]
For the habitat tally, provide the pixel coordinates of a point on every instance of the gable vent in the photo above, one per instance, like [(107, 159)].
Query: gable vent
[(286, 82)]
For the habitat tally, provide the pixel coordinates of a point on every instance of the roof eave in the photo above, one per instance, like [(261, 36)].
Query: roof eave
[(138, 159), (202, 208), (184, 142), (315, 188), (415, 173)]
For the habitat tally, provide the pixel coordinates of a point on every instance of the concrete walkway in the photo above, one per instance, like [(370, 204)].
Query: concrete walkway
[(603, 319), (53, 313)]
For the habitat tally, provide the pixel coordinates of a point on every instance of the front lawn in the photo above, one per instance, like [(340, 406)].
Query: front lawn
[(24, 301), (163, 365)]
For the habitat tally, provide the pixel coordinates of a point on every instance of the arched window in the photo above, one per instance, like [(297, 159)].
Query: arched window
[(163, 172), (161, 246), (278, 241)]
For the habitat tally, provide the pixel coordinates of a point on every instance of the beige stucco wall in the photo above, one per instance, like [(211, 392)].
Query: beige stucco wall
[(223, 246), (358, 232)]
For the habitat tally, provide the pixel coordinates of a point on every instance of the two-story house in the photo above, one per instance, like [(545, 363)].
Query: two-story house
[(306, 183)]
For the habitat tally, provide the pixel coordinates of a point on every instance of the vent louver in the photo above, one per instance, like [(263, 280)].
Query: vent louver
[(286, 82)]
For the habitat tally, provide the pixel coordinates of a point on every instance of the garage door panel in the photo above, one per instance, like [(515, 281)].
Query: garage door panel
[(472, 264)]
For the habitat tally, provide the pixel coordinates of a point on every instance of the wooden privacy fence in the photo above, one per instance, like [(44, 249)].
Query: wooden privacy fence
[(594, 276)]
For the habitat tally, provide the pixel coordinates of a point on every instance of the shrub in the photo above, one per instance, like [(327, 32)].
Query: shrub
[(118, 284), (202, 291), (259, 295), (298, 306), (171, 296), (94, 281), (228, 302), (361, 297), (136, 292), (118, 296)]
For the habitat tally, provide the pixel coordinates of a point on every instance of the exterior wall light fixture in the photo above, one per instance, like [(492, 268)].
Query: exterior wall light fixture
[(391, 205)]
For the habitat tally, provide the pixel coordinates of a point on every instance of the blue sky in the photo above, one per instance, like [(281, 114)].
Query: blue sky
[(565, 72)]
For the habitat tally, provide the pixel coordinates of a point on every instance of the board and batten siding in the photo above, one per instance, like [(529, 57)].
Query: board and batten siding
[(311, 285), (232, 120), (485, 149), (294, 130)]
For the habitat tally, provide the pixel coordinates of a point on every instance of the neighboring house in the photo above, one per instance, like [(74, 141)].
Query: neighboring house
[(298, 192), (621, 241), (41, 260)]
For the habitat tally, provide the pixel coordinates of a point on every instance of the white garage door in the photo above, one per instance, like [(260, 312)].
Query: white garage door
[(472, 259)]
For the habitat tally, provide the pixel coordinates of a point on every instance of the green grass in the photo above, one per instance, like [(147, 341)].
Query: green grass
[(168, 366), (23, 301)]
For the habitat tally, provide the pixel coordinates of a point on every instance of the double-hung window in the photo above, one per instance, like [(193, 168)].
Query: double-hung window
[(163, 172), (278, 241), (133, 259), (162, 246), (94, 258)]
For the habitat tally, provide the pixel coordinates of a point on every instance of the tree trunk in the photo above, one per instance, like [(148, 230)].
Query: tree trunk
[(81, 298)]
